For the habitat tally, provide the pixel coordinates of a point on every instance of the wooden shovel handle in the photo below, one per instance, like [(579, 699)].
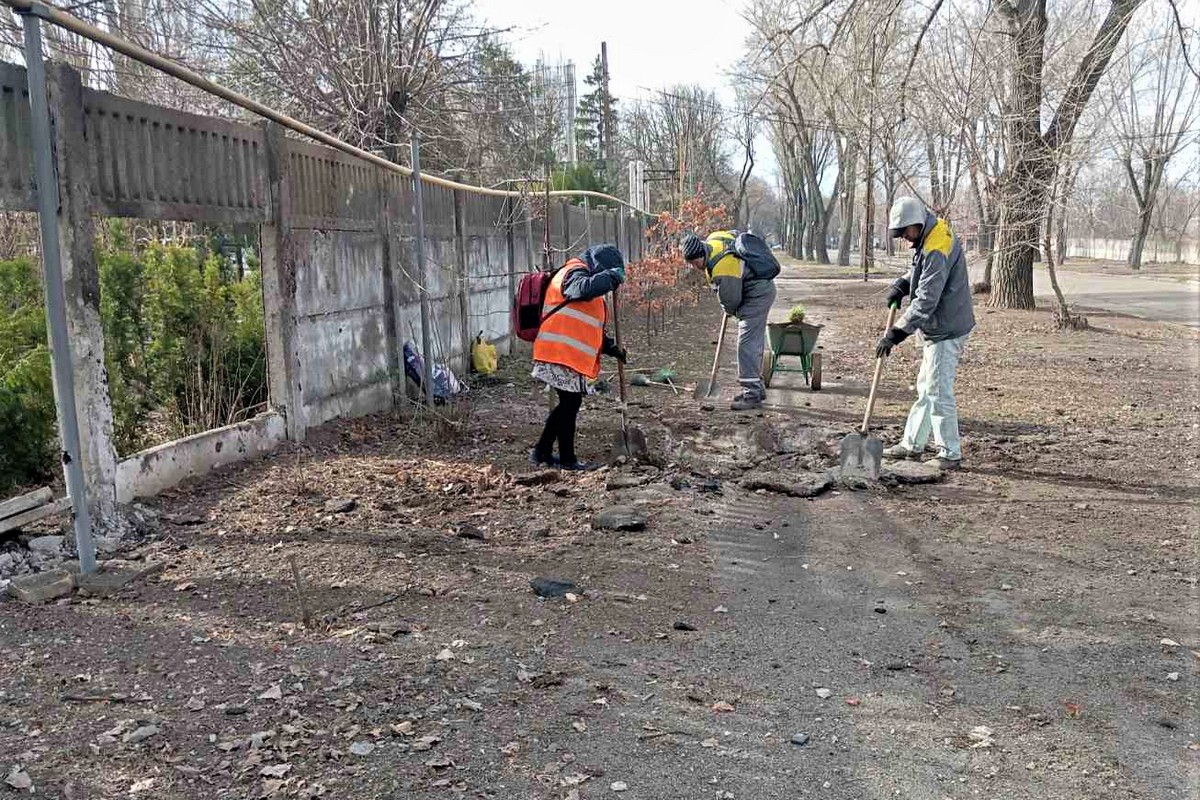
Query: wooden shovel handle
[(720, 342), (617, 337), (891, 319)]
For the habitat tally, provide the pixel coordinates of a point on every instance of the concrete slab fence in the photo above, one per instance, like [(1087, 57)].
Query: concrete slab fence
[(341, 291)]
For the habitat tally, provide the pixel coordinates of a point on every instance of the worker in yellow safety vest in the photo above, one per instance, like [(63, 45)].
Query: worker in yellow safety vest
[(746, 289)]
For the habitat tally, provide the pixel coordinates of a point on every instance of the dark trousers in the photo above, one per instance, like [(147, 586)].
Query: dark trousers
[(560, 426)]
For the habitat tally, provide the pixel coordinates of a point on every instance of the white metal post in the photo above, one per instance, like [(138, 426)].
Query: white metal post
[(56, 304)]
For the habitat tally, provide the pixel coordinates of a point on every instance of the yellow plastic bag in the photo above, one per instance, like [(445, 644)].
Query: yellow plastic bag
[(483, 356)]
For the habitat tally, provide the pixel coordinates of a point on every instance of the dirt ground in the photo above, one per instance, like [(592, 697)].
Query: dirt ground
[(1028, 627)]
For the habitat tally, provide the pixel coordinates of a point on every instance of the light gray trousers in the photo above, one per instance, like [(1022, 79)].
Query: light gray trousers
[(757, 299)]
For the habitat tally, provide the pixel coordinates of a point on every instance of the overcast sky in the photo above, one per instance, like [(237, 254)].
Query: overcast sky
[(652, 44)]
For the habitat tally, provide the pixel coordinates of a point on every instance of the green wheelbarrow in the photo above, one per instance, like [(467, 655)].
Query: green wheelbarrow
[(797, 339)]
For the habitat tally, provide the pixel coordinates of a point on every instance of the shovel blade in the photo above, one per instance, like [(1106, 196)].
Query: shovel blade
[(861, 454), (631, 443), (706, 389)]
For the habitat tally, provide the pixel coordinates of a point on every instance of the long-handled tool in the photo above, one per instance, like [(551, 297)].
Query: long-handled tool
[(860, 452), (638, 379), (710, 387), (630, 441)]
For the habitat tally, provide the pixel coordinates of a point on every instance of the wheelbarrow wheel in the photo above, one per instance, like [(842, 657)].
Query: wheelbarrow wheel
[(815, 381), (768, 367)]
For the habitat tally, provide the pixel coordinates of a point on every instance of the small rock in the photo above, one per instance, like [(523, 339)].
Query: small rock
[(1169, 643), (390, 629), (811, 486), (1005, 587), (140, 734), (466, 531), (1172, 676), (42, 586), (619, 518), (684, 626), (618, 786), (618, 481), (341, 505), (911, 472), (537, 478), (236, 711), (880, 610), (362, 748), (105, 581), (720, 610), (800, 739), (824, 693), (46, 545), (550, 587), (722, 707), (853, 701), (275, 692), (19, 779), (446, 654)]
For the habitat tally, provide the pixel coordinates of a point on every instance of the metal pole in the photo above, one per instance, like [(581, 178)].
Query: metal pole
[(56, 303), (419, 202)]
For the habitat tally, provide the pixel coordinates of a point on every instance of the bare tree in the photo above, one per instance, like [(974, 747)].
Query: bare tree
[(1031, 154), (1156, 101)]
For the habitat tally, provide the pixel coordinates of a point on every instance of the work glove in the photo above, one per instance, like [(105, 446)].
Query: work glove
[(618, 275), (893, 337), (897, 292), (610, 348)]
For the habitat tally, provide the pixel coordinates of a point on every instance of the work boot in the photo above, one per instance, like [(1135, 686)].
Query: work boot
[(580, 466), (746, 401), (899, 452), (943, 463)]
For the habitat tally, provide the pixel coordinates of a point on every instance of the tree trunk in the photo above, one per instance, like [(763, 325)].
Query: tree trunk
[(1139, 238), (820, 234), (798, 223), (849, 187), (1028, 169), (889, 188), (935, 184), (1012, 281)]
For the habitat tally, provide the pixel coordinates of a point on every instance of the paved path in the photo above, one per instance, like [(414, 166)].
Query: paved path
[(1159, 299)]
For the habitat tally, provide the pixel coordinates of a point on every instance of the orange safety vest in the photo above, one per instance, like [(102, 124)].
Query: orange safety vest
[(573, 336)]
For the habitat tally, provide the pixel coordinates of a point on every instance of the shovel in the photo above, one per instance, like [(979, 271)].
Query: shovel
[(860, 452), (710, 387), (629, 441)]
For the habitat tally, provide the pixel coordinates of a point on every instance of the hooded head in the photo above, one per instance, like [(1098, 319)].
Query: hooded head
[(603, 257), (907, 219)]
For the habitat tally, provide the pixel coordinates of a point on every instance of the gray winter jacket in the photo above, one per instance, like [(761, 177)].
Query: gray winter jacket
[(940, 306)]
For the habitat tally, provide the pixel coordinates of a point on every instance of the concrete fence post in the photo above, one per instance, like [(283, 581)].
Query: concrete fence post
[(279, 287), (394, 338), (81, 286), (462, 281)]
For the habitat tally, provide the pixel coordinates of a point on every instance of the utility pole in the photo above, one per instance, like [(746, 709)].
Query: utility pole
[(605, 110), (572, 103)]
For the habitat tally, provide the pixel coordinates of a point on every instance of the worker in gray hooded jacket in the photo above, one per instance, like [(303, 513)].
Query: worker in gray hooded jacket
[(940, 310)]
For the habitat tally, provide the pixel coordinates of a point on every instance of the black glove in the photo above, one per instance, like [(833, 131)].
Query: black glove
[(889, 340), (610, 348), (897, 292)]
